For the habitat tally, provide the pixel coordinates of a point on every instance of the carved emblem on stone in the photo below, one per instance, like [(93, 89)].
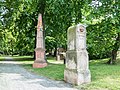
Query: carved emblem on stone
[(81, 29)]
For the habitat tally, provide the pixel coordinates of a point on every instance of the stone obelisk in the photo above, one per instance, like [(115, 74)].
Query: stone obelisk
[(40, 61), (77, 61)]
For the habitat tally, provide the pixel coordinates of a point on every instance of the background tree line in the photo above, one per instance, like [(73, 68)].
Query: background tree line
[(18, 21)]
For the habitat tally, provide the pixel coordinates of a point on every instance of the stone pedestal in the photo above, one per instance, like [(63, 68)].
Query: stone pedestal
[(40, 61), (77, 62)]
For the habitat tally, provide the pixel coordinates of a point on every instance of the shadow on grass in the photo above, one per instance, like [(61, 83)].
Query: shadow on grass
[(21, 59), (100, 70), (16, 58), (52, 71), (2, 59)]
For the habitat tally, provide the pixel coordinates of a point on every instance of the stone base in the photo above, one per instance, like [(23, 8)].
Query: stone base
[(76, 77), (39, 65)]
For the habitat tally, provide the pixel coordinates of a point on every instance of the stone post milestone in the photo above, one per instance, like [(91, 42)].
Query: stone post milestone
[(77, 62), (40, 61)]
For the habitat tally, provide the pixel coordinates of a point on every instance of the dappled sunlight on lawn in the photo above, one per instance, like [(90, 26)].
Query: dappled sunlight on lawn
[(104, 76), (56, 62), (107, 82)]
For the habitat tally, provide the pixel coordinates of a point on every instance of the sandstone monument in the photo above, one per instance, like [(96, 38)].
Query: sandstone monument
[(77, 60), (40, 61)]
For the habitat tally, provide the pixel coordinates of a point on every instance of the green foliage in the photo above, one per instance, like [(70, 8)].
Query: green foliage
[(104, 28), (18, 18), (50, 43), (61, 14)]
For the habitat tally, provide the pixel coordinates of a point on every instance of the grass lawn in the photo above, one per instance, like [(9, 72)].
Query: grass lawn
[(54, 70), (104, 77), (18, 59), (21, 57), (1, 58)]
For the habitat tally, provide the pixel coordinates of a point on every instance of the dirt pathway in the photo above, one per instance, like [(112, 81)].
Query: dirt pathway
[(14, 77)]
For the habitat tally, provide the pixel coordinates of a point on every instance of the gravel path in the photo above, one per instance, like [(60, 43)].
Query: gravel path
[(14, 77)]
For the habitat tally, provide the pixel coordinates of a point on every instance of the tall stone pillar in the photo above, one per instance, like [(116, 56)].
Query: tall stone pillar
[(77, 62), (40, 61)]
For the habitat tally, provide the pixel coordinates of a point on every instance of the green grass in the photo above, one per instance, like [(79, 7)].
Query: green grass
[(104, 77), (2, 58), (52, 71), (51, 59), (21, 57)]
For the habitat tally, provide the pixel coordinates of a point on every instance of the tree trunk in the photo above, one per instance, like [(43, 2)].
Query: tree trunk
[(114, 51), (55, 51)]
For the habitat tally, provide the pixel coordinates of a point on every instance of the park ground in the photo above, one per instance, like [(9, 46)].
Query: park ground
[(104, 76), (14, 77)]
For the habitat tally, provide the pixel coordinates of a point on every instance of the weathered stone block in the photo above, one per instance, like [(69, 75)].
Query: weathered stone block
[(39, 65), (77, 60)]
